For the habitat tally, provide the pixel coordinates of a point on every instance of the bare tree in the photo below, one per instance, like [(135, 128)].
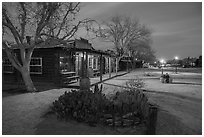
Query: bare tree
[(25, 24), (141, 50), (122, 32)]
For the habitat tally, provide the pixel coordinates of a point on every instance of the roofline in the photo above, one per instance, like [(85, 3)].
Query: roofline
[(90, 51), (57, 45), (71, 48)]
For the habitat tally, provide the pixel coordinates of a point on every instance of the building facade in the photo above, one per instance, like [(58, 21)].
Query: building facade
[(59, 64)]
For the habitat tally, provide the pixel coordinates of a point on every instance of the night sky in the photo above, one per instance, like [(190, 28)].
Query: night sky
[(176, 27)]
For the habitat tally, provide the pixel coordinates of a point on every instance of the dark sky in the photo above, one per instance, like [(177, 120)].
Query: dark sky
[(177, 27)]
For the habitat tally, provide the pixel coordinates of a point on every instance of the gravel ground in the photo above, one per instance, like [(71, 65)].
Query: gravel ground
[(182, 99), (179, 114), (21, 113), (186, 112)]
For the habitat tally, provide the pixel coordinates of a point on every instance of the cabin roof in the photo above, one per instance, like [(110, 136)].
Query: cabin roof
[(80, 45)]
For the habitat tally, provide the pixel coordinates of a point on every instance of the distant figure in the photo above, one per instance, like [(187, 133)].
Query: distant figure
[(167, 77)]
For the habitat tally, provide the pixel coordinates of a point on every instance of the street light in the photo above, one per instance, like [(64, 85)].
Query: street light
[(176, 58), (162, 61)]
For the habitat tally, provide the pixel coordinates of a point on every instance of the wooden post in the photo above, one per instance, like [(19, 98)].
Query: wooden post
[(113, 116), (116, 67), (92, 62), (84, 80), (127, 66), (96, 63), (82, 65), (101, 63), (109, 61), (152, 120), (86, 65), (78, 63)]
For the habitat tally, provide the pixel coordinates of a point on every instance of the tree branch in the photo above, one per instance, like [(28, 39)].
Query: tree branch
[(70, 9), (23, 16), (11, 56), (75, 28), (13, 30)]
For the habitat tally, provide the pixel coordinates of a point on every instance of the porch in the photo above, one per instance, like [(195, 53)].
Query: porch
[(98, 79), (86, 63)]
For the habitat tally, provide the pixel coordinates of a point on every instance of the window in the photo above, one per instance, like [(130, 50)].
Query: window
[(65, 64), (94, 63), (7, 67), (36, 66), (90, 63)]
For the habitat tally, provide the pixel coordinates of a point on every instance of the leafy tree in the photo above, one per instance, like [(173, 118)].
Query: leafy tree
[(28, 24)]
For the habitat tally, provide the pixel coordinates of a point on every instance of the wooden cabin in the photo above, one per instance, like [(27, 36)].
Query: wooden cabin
[(60, 64)]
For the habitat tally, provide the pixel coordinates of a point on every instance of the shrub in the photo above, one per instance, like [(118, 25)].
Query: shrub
[(125, 108), (134, 100), (148, 74), (135, 83), (79, 105)]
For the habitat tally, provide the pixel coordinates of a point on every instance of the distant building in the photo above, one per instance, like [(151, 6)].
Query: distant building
[(188, 62), (198, 62)]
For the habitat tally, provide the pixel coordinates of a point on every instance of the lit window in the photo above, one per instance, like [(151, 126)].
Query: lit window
[(7, 66), (65, 64), (94, 63), (36, 66)]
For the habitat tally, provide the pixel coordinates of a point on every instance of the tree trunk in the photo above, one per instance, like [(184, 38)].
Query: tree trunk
[(27, 79), (22, 68)]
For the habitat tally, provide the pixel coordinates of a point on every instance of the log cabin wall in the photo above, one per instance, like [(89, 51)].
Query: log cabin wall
[(7, 76), (49, 58), (50, 67)]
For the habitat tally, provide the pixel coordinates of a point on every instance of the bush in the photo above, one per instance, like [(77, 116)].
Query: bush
[(148, 74), (125, 108), (135, 83), (79, 105), (133, 100)]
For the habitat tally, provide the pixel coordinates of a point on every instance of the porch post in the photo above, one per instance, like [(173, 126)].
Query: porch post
[(127, 64), (92, 62), (116, 67), (86, 65), (96, 63), (78, 65), (109, 60), (84, 80), (101, 67), (82, 65)]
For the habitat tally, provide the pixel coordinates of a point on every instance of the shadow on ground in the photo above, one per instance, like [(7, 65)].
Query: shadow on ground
[(188, 83), (53, 126), (14, 89), (168, 124)]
